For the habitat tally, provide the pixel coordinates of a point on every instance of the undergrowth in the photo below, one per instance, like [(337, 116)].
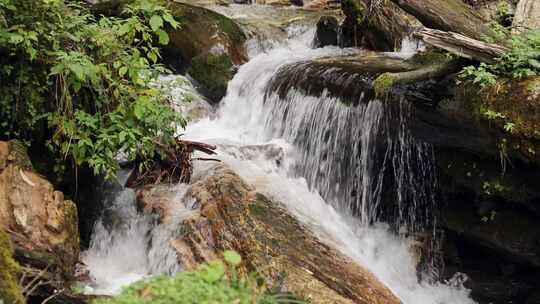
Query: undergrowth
[(216, 282), (522, 61), (80, 84)]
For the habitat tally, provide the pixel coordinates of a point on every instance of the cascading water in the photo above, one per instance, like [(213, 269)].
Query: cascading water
[(326, 162), (127, 245), (317, 156)]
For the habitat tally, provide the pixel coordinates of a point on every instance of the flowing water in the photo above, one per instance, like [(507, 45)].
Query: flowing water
[(317, 156)]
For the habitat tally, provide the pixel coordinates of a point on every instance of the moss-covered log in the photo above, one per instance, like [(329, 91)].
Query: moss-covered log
[(384, 82)]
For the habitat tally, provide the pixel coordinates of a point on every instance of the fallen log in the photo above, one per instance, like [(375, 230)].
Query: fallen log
[(448, 15), (527, 16), (461, 45)]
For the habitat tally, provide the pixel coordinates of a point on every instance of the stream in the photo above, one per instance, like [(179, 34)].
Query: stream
[(284, 146)]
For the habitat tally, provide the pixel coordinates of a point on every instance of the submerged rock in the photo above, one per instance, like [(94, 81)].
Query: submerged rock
[(271, 241), (41, 223)]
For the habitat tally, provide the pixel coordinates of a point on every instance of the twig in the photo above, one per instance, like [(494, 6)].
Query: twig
[(54, 295)]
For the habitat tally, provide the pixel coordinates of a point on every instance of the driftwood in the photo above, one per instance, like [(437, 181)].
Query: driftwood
[(448, 15), (527, 16), (461, 45), (174, 167)]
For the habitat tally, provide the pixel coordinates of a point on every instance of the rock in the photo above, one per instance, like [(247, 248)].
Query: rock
[(10, 291), (208, 45), (534, 298), (233, 216), (327, 32), (527, 16), (41, 223)]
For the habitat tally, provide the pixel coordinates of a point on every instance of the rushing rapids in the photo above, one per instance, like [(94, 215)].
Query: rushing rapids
[(337, 195)]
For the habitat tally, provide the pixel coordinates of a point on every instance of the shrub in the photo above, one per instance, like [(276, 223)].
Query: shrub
[(216, 282), (523, 60), (80, 84)]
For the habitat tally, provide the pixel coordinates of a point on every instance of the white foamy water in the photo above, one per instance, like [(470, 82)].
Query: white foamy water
[(269, 145), (246, 120), (128, 245)]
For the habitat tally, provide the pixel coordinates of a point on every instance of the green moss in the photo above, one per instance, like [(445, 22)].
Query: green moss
[(431, 57), (383, 84), (213, 72), (10, 291), (19, 155)]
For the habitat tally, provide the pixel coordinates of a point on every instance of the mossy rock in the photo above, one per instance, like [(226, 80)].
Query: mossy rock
[(271, 241), (207, 45), (10, 291), (515, 112), (213, 73)]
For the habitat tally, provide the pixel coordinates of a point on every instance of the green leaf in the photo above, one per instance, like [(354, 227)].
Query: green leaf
[(152, 56), (232, 258), (139, 109), (122, 71), (534, 63), (163, 37), (156, 22), (214, 272), (170, 19), (78, 70)]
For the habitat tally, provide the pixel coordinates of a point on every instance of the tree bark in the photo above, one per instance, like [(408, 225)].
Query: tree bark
[(448, 15), (527, 16), (380, 28), (461, 45)]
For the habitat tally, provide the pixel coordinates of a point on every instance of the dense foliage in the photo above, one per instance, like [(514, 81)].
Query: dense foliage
[(81, 84), (523, 60), (216, 282)]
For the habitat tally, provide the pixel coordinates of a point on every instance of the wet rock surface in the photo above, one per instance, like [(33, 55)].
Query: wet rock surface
[(488, 196), (233, 216)]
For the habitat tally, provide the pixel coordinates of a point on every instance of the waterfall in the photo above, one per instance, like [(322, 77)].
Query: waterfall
[(333, 163), (128, 245), (328, 191)]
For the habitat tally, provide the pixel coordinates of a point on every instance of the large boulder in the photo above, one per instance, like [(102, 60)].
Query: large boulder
[(208, 45), (42, 224), (232, 216)]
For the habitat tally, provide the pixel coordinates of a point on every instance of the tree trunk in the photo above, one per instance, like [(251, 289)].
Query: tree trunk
[(527, 16), (460, 45), (448, 15), (379, 28)]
